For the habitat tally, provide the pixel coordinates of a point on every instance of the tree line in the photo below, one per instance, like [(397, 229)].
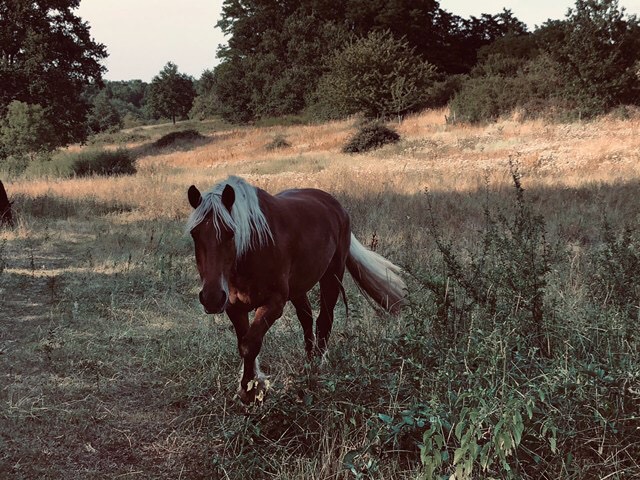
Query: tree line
[(321, 59), (390, 57)]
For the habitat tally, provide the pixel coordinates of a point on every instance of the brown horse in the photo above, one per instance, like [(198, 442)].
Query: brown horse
[(255, 251)]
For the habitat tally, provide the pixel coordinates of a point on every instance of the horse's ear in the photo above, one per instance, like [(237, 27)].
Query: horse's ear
[(194, 196), (228, 197)]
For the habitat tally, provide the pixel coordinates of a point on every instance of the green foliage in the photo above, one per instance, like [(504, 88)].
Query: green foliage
[(378, 76), (511, 267), (170, 94), (104, 162), (275, 76), (206, 103), (579, 67), (47, 58), (370, 136), (25, 129), (504, 84), (172, 138), (278, 51), (104, 116), (64, 164), (116, 104), (598, 47), (516, 405), (616, 275)]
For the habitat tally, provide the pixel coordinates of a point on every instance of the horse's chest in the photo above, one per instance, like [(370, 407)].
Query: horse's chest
[(236, 295), (242, 291)]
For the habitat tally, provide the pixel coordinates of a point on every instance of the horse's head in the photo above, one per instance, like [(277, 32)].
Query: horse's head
[(215, 251)]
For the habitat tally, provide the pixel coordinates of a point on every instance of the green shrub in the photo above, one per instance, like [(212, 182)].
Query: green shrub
[(14, 165), (378, 76), (278, 142), (177, 137), (508, 400), (103, 162), (25, 129), (616, 276), (369, 137), (535, 89)]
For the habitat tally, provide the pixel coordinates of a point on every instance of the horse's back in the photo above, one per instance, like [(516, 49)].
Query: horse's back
[(312, 228), (311, 203)]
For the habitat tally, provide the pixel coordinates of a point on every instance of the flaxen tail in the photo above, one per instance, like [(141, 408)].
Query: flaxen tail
[(377, 276)]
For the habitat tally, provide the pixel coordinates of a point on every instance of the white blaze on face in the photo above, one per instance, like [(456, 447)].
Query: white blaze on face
[(224, 285)]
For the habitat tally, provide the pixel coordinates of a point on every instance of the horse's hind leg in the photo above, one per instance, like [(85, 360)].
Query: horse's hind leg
[(305, 315), (330, 288)]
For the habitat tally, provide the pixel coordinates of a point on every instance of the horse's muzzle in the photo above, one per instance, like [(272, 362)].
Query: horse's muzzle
[(215, 305)]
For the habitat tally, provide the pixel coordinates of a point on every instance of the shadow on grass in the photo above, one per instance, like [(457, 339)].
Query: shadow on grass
[(188, 144), (56, 207)]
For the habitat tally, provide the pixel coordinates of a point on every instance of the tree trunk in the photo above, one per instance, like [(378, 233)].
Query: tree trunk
[(6, 216)]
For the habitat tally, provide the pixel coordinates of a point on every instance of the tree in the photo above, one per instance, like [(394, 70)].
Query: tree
[(274, 58), (104, 115), (25, 129), (47, 57), (206, 104), (599, 47), (378, 76), (171, 94), (119, 103)]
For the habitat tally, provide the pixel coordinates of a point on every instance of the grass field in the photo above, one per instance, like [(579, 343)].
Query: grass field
[(518, 357)]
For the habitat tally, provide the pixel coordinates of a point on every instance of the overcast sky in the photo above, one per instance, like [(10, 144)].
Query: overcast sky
[(143, 35)]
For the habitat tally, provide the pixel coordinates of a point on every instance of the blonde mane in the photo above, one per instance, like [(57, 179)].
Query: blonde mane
[(246, 220)]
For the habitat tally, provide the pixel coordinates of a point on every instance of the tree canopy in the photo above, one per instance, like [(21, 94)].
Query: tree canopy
[(171, 94), (279, 49), (578, 67), (378, 76), (47, 58), (599, 47)]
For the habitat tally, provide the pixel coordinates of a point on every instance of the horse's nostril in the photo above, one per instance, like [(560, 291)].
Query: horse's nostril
[(215, 303)]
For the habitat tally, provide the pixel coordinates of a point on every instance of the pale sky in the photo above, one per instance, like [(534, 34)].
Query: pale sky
[(141, 36)]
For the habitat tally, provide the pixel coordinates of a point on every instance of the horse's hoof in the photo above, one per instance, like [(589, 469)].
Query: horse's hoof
[(256, 391)]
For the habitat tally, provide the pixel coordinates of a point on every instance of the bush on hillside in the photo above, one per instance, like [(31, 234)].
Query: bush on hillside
[(278, 142), (534, 91), (103, 162), (176, 137), (369, 137)]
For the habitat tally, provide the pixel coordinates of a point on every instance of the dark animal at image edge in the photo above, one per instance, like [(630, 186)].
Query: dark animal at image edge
[(6, 215), (256, 251)]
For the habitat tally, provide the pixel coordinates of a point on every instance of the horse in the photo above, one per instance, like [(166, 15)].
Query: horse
[(256, 251), (6, 215)]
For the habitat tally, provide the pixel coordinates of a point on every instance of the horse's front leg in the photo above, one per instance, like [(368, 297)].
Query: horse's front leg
[(254, 384)]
